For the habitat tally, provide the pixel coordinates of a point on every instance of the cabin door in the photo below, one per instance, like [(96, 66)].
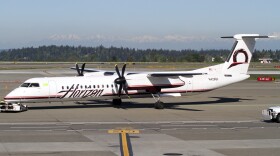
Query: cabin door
[(52, 90), (189, 84)]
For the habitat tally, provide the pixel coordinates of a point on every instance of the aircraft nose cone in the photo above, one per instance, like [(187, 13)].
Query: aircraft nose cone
[(11, 96), (8, 96)]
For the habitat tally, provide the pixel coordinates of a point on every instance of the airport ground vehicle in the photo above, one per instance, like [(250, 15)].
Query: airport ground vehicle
[(272, 113), (12, 107)]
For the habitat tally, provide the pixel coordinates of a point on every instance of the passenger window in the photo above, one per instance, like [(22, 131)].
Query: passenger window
[(93, 86), (102, 86), (97, 86), (81, 87), (67, 87), (62, 87), (107, 86), (112, 86)]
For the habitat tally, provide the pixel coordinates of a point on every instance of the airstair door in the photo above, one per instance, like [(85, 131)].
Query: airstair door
[(52, 90), (189, 84)]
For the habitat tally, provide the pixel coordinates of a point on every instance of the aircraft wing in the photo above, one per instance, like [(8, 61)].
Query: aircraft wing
[(157, 80), (150, 74), (171, 74), (88, 69)]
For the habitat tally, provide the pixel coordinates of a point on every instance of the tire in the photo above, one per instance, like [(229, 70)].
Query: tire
[(278, 118), (159, 105), (117, 102)]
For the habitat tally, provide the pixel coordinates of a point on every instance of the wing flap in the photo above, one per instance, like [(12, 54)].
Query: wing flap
[(169, 74), (153, 82)]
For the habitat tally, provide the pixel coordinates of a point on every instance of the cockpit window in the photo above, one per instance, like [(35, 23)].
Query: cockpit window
[(30, 85), (25, 85), (34, 85)]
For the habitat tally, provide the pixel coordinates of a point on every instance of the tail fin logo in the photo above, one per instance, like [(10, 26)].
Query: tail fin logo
[(235, 58)]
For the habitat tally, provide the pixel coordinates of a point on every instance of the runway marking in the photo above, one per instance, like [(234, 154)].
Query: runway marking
[(189, 125), (45, 130), (227, 128), (63, 124), (199, 128), (59, 129), (132, 122), (126, 148), (39, 127), (12, 130), (151, 128), (142, 129), (241, 127), (94, 129)]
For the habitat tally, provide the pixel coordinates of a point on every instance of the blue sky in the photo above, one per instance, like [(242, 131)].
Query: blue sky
[(168, 24)]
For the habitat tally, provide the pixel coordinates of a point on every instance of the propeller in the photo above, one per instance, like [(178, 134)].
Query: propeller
[(80, 71), (121, 80)]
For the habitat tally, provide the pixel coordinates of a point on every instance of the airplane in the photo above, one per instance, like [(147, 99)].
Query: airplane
[(116, 85)]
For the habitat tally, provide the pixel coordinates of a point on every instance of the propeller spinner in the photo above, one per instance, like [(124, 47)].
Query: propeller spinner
[(121, 80)]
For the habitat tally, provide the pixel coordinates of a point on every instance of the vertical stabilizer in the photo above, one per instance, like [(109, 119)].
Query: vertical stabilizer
[(240, 57)]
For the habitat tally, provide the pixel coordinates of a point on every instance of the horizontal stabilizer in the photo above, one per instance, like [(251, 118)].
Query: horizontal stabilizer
[(240, 36)]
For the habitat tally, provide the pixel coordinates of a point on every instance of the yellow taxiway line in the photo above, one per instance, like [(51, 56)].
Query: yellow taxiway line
[(125, 145)]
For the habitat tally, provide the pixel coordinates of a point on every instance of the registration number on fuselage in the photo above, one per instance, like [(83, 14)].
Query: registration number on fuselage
[(213, 79)]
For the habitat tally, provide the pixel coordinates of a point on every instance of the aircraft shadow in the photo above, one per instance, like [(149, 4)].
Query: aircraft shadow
[(63, 106), (270, 122), (133, 105), (175, 105)]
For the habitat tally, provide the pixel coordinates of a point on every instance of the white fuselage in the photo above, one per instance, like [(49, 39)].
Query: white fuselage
[(50, 89)]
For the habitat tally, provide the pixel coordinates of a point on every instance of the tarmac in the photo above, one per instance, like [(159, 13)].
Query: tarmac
[(226, 121)]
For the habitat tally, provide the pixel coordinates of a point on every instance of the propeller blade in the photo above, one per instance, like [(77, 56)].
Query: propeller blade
[(126, 92), (78, 69), (121, 80), (82, 70), (120, 90), (117, 70), (123, 69)]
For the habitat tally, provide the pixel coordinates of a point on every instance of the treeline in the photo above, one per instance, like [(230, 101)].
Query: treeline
[(114, 54)]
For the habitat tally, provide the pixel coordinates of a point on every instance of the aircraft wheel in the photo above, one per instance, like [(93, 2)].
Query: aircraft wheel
[(117, 102), (159, 105), (278, 118)]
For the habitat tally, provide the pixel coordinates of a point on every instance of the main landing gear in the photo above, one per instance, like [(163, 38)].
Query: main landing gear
[(117, 102), (158, 104)]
